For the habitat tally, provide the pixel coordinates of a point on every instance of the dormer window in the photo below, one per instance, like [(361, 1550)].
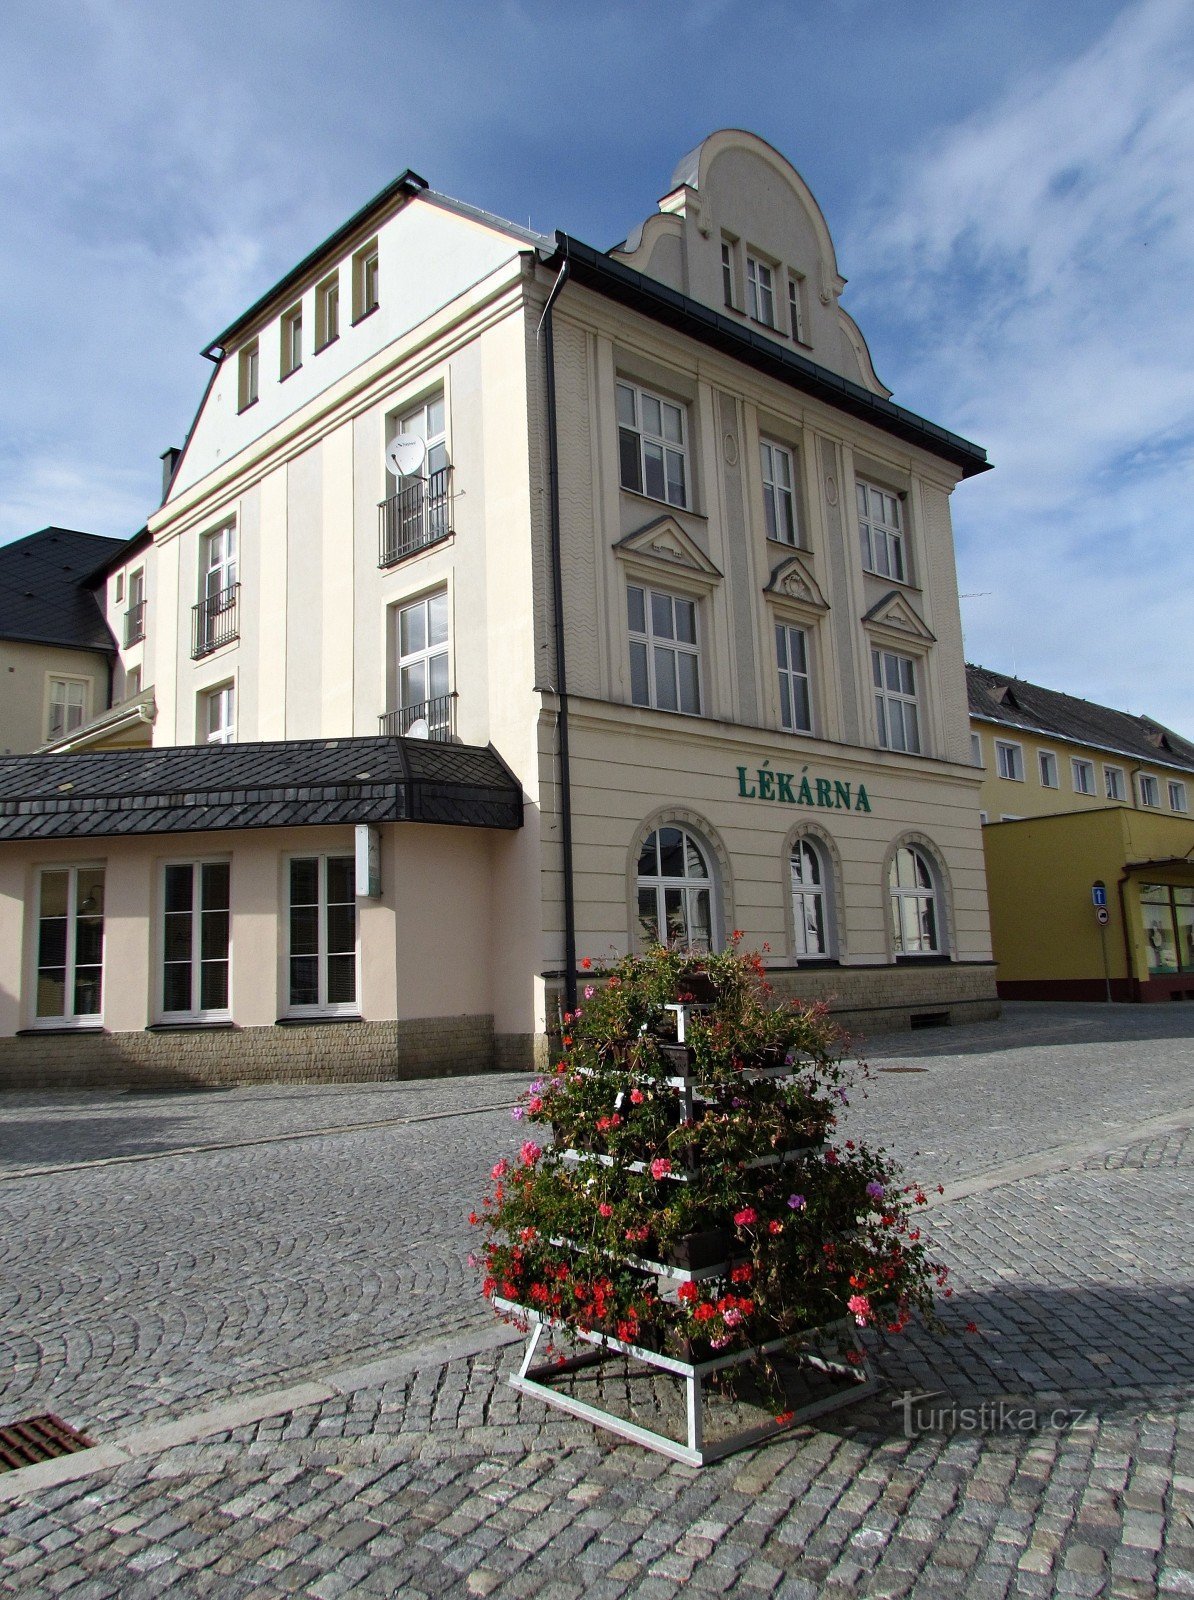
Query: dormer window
[(796, 306), (729, 274), (760, 291)]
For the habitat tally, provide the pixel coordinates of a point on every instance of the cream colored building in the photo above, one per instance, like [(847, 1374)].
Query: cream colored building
[(671, 600)]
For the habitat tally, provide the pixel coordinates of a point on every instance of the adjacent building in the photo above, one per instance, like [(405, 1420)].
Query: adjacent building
[(649, 630), (1089, 845)]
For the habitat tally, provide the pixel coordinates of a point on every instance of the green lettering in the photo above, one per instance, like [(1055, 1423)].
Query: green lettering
[(747, 794), (861, 803), (841, 795), (784, 782), (824, 792), (804, 795), (766, 788)]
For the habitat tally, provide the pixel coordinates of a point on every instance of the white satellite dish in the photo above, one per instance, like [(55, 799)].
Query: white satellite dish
[(405, 454), (419, 729)]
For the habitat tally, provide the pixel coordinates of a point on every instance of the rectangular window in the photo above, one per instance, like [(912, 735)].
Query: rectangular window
[(796, 306), (327, 311), (760, 291), (665, 662), (132, 683), (215, 616), (652, 453), (779, 493), (727, 272), (896, 711), (218, 715), (422, 666), (1009, 761), (70, 945), (1047, 763), (976, 750), (196, 937), (134, 617), (247, 368), (881, 530), (365, 281), (1084, 776), (119, 587), (1149, 789), (1177, 796), (1115, 783), (68, 706), (322, 925), (1167, 911), (292, 340), (795, 696)]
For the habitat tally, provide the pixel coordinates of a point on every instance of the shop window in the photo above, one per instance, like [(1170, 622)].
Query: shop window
[(1149, 789), (1167, 911), (196, 939), (675, 887), (68, 706), (652, 447), (1177, 796), (665, 660), (779, 492), (897, 711), (795, 683), (322, 935), (70, 946), (1009, 761), (812, 905), (881, 531), (913, 895), (1047, 763), (1115, 783), (1084, 776)]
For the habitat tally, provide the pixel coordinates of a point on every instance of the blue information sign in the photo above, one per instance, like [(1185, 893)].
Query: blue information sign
[(1098, 894)]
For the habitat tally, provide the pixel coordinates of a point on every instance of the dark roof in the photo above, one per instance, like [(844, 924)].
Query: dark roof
[(595, 270), (125, 550), (44, 598), (283, 784), (406, 182), (1017, 704)]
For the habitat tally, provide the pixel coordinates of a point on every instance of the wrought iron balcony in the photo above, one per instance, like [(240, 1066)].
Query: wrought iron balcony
[(439, 715), (134, 623), (214, 621), (412, 519)]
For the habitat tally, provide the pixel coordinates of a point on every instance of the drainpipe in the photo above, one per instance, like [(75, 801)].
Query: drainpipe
[(557, 594), (1133, 980)]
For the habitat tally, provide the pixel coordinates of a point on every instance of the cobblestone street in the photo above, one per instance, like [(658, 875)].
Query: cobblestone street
[(281, 1276)]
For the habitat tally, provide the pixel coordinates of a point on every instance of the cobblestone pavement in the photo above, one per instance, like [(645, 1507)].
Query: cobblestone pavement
[(171, 1282)]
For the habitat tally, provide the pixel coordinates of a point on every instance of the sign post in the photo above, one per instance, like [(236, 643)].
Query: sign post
[(1098, 897)]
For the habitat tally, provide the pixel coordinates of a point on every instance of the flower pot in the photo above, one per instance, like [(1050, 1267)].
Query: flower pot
[(692, 1252), (696, 988)]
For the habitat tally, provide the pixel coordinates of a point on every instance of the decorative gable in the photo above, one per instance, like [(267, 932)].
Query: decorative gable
[(663, 545), (893, 615), (793, 580)]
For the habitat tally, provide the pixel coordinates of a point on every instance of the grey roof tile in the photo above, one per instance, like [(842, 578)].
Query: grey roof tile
[(44, 598)]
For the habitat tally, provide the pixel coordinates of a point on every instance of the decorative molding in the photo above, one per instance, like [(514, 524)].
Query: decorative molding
[(664, 544), (793, 580), (894, 615)]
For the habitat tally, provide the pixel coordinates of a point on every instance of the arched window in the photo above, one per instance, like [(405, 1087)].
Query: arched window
[(811, 905), (675, 890), (912, 889)]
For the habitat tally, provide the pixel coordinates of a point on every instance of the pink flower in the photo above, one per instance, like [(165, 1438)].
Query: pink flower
[(746, 1216), (529, 1153), (500, 1171), (860, 1308), (637, 1097), (660, 1167), (605, 1209), (517, 1113), (589, 991)]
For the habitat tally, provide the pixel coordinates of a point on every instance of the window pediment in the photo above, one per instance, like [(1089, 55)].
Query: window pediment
[(793, 580), (893, 616), (662, 547)]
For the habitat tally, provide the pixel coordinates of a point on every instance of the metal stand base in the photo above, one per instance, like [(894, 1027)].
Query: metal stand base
[(694, 1451)]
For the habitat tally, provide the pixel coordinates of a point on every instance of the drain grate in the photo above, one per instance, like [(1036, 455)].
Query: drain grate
[(39, 1439)]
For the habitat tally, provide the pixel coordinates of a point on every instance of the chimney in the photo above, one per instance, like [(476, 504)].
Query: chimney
[(169, 462)]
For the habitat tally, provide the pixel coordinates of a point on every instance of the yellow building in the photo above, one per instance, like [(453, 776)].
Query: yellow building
[(1089, 845)]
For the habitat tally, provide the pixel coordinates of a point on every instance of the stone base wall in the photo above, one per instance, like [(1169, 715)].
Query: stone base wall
[(329, 1052), (890, 999)]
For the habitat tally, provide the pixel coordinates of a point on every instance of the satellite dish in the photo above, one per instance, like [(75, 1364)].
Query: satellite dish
[(405, 454), (419, 729)]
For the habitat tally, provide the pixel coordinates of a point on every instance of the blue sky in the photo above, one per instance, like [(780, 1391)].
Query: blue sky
[(1009, 188)]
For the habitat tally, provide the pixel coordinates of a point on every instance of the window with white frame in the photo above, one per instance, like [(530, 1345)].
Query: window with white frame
[(1149, 789), (217, 714), (912, 892), (421, 654), (811, 904), (216, 621), (728, 252), (675, 891), (1177, 796), (665, 660), (292, 340), (796, 306), (132, 683), (327, 311), (70, 945), (1047, 767), (196, 939), (897, 712), (1084, 775), (421, 503), (652, 451), (322, 934), (760, 291), (976, 750), (366, 282), (779, 491), (68, 706), (881, 531), (795, 686), (1115, 783), (1009, 761), (247, 376)]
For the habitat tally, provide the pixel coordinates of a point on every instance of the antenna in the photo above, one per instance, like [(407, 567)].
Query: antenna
[(405, 454)]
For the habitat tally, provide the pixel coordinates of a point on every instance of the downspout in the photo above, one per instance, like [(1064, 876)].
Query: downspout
[(1133, 980), (561, 674)]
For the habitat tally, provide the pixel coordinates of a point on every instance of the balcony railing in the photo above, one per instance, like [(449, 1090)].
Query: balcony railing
[(134, 623), (214, 621), (439, 715), (412, 519)]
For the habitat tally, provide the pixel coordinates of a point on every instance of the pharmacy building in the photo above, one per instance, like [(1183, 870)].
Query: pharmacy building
[(511, 603)]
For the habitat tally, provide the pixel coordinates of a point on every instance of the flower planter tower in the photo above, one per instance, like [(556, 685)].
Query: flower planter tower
[(695, 1212)]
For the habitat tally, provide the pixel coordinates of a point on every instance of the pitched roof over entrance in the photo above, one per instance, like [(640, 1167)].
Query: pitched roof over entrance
[(282, 784)]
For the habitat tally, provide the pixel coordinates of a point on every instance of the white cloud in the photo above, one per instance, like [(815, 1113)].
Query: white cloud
[(1032, 275)]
